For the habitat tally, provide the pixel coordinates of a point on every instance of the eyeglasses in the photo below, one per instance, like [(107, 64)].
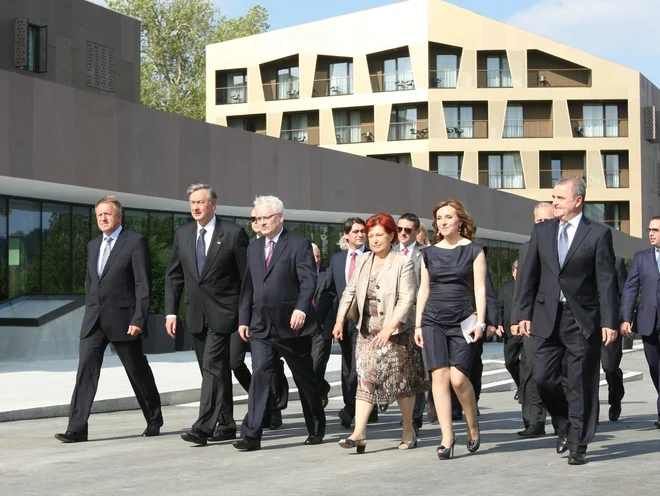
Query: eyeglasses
[(653, 230), (265, 217), (407, 229)]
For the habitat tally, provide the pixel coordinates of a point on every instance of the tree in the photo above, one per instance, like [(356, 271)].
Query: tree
[(173, 46)]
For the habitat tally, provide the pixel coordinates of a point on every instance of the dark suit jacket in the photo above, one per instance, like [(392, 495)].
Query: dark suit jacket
[(515, 305), (211, 299), (587, 278), (621, 275), (492, 314), (121, 296), (325, 326), (643, 276), (269, 297), (334, 284), (504, 303)]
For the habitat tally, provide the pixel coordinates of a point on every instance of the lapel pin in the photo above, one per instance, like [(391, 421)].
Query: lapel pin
[(219, 242)]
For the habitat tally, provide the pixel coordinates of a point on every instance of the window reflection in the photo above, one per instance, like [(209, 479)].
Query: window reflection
[(56, 240), (24, 247)]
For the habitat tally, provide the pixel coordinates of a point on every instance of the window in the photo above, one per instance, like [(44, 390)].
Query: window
[(288, 80), (600, 120), (446, 75), (449, 165), (403, 124), (505, 171), (348, 128), (613, 214), (231, 87), (56, 241), (498, 74), (513, 122), (615, 166), (4, 275), (100, 62), (24, 247), (30, 46), (341, 78), (397, 74), (81, 224), (404, 159), (459, 122), (294, 128), (240, 123)]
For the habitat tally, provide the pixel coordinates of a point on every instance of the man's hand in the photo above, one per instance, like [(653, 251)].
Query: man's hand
[(244, 332), (626, 330), (609, 335), (297, 320), (490, 332), (134, 330), (338, 331), (170, 327), (514, 330), (525, 328), (499, 331)]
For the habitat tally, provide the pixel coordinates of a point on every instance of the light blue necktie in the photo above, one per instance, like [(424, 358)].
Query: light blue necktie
[(105, 255), (562, 250)]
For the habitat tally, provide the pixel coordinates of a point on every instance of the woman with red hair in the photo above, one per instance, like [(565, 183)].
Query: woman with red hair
[(379, 299)]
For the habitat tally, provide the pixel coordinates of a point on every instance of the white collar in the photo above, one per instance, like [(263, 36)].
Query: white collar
[(113, 235), (575, 221), (275, 239), (208, 227), (411, 247), (359, 251)]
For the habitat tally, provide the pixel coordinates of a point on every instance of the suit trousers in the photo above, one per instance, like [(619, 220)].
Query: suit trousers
[(348, 371), (610, 357), (297, 353), (208, 351), (321, 348), (533, 410), (575, 413), (513, 346), (91, 350), (652, 352), (216, 403)]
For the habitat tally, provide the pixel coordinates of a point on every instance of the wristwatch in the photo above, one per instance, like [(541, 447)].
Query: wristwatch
[(483, 326)]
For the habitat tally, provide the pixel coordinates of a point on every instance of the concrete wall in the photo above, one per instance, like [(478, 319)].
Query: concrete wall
[(650, 154), (71, 24)]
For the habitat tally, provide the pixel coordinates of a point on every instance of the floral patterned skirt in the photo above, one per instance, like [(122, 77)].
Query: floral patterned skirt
[(391, 371)]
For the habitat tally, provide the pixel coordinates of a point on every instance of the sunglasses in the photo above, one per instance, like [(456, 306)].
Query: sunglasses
[(407, 229), (253, 219)]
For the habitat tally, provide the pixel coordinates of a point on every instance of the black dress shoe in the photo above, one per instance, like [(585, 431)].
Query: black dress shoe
[(562, 444), (314, 440), (383, 408), (577, 459), (219, 435), (195, 436), (275, 419), (71, 437), (373, 416), (657, 424), (346, 418), (532, 431), (516, 396), (247, 443), (615, 412), (151, 431)]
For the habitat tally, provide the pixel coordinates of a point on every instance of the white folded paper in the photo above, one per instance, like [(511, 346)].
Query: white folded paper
[(467, 325)]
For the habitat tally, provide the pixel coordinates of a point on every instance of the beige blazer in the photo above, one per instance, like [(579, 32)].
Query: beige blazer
[(395, 290)]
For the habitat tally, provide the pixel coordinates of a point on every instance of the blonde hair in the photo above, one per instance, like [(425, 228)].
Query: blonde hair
[(111, 199)]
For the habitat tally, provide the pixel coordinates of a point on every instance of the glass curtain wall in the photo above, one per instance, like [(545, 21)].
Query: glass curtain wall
[(4, 266)]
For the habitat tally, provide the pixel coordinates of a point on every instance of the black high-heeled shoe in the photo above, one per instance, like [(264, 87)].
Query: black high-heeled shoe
[(360, 445), (473, 444), (445, 453)]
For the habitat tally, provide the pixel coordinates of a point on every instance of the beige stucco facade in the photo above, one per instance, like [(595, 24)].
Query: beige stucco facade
[(591, 113)]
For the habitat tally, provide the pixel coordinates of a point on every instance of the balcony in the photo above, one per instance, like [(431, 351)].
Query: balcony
[(549, 177), (309, 135), (361, 133), (285, 90), (559, 78), (335, 86), (502, 179), (599, 128), (401, 131), (467, 129), (393, 81), (617, 178), (443, 78), (527, 128), (494, 78), (229, 95)]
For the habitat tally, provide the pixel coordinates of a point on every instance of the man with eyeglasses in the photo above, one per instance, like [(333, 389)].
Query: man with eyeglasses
[(642, 316)]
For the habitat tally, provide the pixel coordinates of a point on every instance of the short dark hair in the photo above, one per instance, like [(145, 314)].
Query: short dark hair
[(412, 218), (348, 223)]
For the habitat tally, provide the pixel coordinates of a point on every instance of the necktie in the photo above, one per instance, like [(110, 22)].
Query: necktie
[(405, 250), (657, 260), (271, 249), (200, 251), (562, 244), (106, 253), (351, 266)]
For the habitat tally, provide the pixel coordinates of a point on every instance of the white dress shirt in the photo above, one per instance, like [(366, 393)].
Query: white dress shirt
[(359, 252), (410, 249), (114, 237), (208, 235), (266, 241)]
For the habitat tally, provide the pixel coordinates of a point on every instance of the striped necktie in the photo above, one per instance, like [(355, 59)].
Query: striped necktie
[(106, 253)]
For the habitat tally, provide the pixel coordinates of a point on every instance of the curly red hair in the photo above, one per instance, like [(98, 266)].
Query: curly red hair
[(386, 221)]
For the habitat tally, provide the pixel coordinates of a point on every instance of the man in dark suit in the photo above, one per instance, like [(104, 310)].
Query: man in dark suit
[(277, 316), (533, 410), (642, 316), (117, 294), (569, 302), (207, 264), (512, 344), (322, 338), (610, 356), (335, 281)]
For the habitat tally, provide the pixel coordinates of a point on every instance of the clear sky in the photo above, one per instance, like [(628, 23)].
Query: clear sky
[(623, 31)]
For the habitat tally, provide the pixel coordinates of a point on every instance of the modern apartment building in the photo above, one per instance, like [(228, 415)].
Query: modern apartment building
[(433, 86)]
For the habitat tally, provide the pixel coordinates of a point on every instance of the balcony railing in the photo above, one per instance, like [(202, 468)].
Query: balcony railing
[(333, 87), (467, 129), (617, 178), (231, 94), (549, 177), (528, 128), (443, 78), (393, 81), (450, 173), (309, 135), (494, 78), (503, 179), (285, 90), (408, 130), (558, 78), (361, 133), (622, 225), (600, 128)]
